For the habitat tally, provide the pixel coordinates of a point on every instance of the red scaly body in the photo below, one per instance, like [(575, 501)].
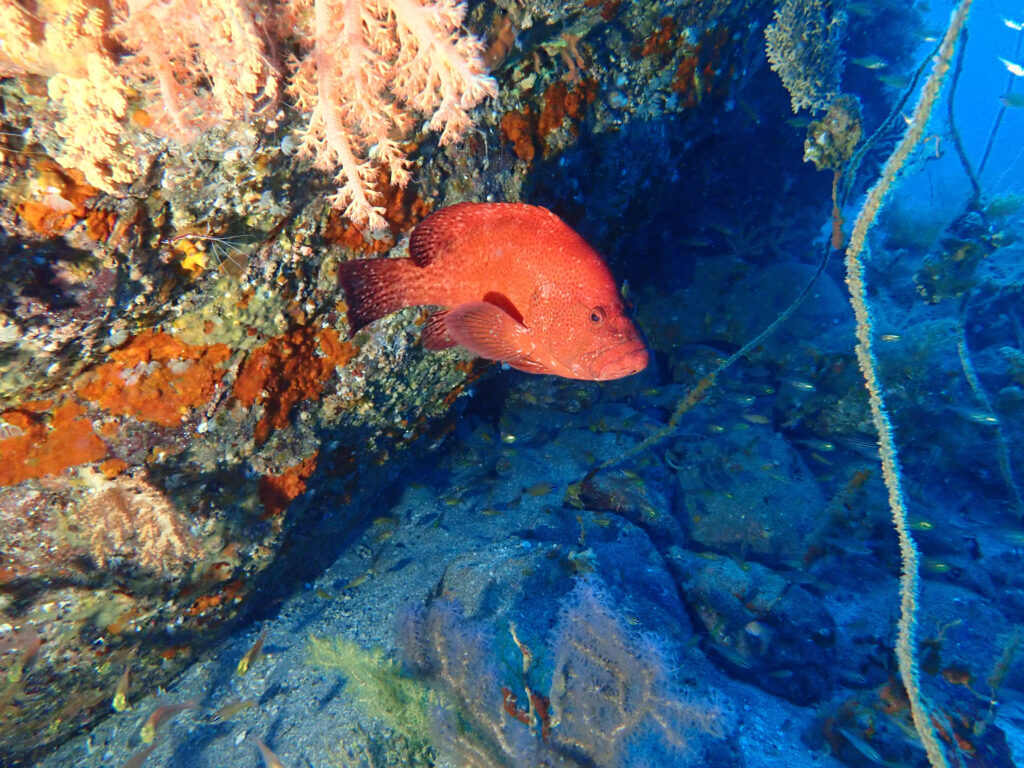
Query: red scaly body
[(515, 284)]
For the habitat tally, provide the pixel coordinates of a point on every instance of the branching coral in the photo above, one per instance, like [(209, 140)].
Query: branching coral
[(377, 686), (803, 45), (611, 685), (366, 70), (373, 66), (457, 657), (208, 59), (68, 43), (611, 696), (129, 517)]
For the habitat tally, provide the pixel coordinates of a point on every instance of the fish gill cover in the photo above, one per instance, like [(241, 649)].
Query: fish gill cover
[(206, 474)]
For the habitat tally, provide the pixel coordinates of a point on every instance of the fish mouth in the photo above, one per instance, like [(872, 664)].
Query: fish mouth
[(623, 359)]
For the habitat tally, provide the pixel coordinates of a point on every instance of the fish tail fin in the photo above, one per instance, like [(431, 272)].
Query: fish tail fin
[(375, 288)]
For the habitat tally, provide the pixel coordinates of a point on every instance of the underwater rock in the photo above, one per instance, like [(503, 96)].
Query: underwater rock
[(759, 627), (749, 495), (165, 399), (822, 325), (968, 647), (646, 502), (949, 272)]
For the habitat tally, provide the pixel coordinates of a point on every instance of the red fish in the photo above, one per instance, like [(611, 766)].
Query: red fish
[(514, 283)]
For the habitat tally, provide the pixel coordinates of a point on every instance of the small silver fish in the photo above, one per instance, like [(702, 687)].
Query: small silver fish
[(861, 745), (898, 82), (1012, 100), (800, 384), (870, 62), (861, 9), (978, 416), (1013, 67), (816, 444)]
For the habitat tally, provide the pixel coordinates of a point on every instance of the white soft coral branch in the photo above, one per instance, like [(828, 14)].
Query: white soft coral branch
[(375, 64), (207, 57), (436, 69), (369, 68), (345, 65)]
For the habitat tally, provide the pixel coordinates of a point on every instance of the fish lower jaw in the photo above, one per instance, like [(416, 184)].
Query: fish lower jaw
[(623, 359)]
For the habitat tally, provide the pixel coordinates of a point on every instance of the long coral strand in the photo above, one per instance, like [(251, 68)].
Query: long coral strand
[(909, 582)]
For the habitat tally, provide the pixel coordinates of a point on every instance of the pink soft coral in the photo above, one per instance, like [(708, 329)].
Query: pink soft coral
[(367, 68), (373, 65), (208, 59)]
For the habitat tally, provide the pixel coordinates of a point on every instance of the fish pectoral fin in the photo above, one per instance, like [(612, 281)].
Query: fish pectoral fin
[(527, 365), (490, 332)]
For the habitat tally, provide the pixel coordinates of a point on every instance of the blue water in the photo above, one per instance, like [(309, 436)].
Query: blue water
[(984, 79)]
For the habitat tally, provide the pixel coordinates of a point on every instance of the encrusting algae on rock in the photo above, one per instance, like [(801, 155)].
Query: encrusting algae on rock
[(46, 440), (287, 369), (157, 378)]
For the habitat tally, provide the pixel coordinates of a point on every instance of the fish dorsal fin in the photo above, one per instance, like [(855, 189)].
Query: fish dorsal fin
[(489, 332), (440, 231), (454, 226)]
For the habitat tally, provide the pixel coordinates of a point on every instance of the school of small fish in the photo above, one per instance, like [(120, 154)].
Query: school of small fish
[(150, 729)]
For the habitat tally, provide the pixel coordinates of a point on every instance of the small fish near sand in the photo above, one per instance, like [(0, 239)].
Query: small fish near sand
[(161, 715), (120, 700), (514, 283), (251, 655), (270, 759)]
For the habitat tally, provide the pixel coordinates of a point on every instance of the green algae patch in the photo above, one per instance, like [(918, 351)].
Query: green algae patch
[(235, 314), (378, 687)]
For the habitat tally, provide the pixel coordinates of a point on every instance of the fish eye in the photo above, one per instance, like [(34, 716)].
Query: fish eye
[(597, 315)]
